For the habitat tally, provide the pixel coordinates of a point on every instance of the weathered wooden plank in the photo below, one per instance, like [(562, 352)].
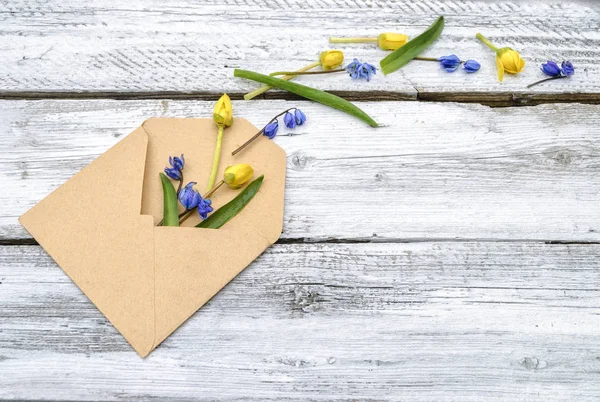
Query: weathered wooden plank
[(421, 321), (504, 174), (152, 47), (435, 171)]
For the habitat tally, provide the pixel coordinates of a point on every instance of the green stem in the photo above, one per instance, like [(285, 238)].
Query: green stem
[(487, 42), (546, 79), (306, 73), (265, 88), (215, 166), (352, 40), (431, 59), (425, 58), (313, 94)]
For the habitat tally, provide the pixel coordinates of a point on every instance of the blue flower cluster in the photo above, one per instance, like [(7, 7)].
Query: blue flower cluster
[(174, 172), (188, 196), (358, 70), (552, 69), (291, 120), (191, 198), (452, 62)]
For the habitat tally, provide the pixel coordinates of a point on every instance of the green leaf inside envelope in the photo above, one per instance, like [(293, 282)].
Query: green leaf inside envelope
[(313, 94), (170, 215), (222, 215), (412, 49)]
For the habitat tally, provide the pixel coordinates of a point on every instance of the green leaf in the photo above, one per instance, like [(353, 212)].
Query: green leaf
[(313, 94), (170, 215), (413, 48), (222, 215)]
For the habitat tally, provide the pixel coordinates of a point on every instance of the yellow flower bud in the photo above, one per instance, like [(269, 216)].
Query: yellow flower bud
[(331, 59), (391, 40), (223, 113), (508, 60), (237, 175)]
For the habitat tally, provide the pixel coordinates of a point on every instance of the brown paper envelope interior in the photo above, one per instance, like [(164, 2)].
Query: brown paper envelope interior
[(148, 280)]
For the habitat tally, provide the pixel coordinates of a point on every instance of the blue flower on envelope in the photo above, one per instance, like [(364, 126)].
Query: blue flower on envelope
[(148, 280)]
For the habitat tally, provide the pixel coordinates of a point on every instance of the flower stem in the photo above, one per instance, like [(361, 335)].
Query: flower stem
[(180, 183), (186, 214), (265, 88), (255, 136), (431, 59), (352, 40), (425, 58), (307, 72), (212, 190), (546, 79), (487, 42), (215, 166)]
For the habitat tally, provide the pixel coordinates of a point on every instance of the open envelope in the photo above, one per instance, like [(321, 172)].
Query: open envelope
[(100, 226)]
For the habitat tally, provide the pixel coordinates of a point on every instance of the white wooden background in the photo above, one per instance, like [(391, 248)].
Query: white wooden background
[(451, 254)]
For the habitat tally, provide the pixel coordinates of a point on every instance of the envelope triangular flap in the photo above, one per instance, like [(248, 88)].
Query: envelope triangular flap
[(92, 228)]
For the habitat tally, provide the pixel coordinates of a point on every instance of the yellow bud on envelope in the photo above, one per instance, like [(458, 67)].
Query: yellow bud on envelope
[(223, 113), (391, 40), (331, 59), (238, 175)]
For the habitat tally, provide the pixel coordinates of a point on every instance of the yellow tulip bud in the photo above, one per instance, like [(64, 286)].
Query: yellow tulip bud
[(511, 60), (223, 113), (391, 40), (237, 175), (331, 59)]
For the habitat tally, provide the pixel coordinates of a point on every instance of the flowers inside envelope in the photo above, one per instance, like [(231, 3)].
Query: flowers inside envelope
[(101, 226)]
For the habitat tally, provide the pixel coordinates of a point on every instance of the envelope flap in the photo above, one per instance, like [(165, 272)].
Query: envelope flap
[(92, 227)]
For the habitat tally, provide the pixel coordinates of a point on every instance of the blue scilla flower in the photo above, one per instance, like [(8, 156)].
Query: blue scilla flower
[(188, 197), (292, 117), (367, 70), (450, 63), (551, 68), (471, 66), (176, 162), (271, 129), (352, 69), (204, 208), (358, 70), (174, 171), (567, 68), (289, 120), (300, 117)]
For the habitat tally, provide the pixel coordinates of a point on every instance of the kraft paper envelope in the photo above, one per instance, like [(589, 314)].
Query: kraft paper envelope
[(100, 226)]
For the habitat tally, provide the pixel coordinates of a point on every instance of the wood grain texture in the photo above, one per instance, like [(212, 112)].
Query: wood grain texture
[(188, 48), (432, 171), (429, 321)]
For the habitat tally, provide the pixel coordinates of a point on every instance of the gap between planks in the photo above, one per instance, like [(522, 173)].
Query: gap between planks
[(484, 98), (305, 240)]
